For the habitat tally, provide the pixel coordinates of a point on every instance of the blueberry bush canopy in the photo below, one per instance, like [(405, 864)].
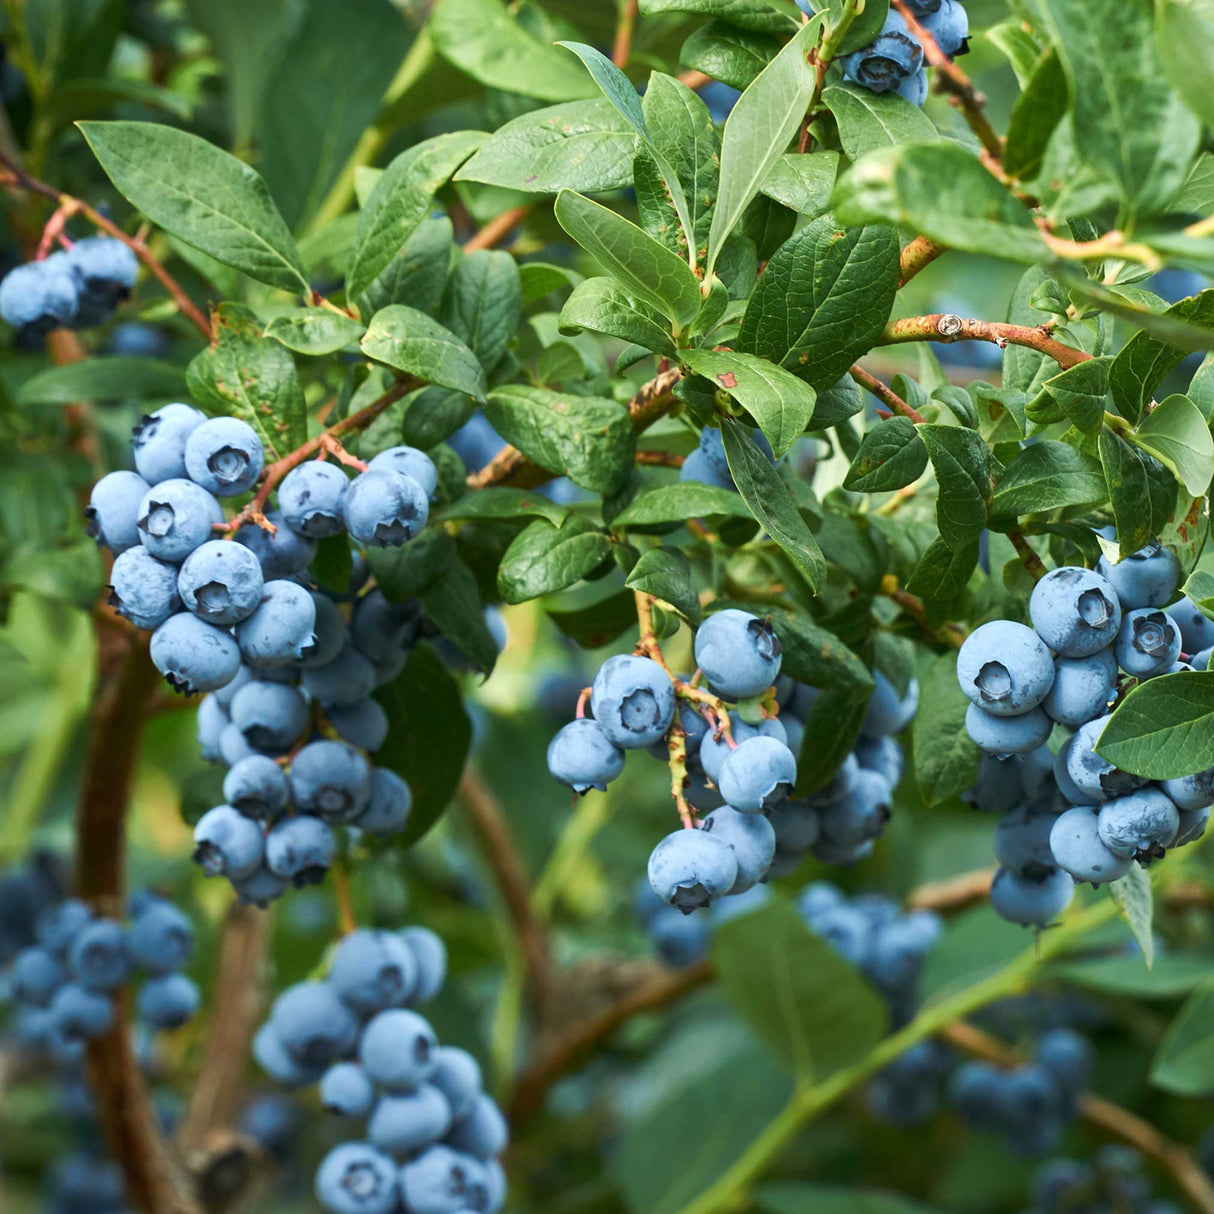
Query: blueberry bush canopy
[(412, 409)]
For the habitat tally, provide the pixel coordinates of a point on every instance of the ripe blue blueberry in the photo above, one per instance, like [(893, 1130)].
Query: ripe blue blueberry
[(385, 508), (1022, 841), (280, 628), (1147, 643), (105, 271), (1069, 791), (313, 1024), (58, 925), (739, 653), (949, 26), (888, 712), (233, 746), (430, 953), (1083, 688), (158, 442), (698, 467), (839, 785), (457, 1075), (300, 850), (914, 88), (175, 517), (699, 795), (387, 808), (403, 1123), (330, 779), (1005, 668), (111, 517), (1067, 1056), (750, 837), (346, 1090), (861, 814), (348, 679), (632, 701), (1075, 611), (1004, 735), (715, 750), (1193, 823), (582, 756), (691, 868), (796, 824), (270, 1054), (224, 456), (138, 340), (381, 629), (363, 724), (397, 1049), (998, 786), (1191, 792), (438, 1181), (1031, 900), (373, 971), (39, 296), (482, 1133), (281, 554), (143, 589), (1141, 824), (80, 1014), (757, 775), (882, 755), (270, 715), (169, 1001), (331, 633), (412, 462), (679, 939), (260, 888), (257, 786), (976, 1089), (1146, 578), (36, 975), (194, 655), (713, 447), (221, 582), (1196, 628), (311, 498), (694, 728), (228, 843), (892, 57), (161, 938), (1091, 774), (355, 1178)]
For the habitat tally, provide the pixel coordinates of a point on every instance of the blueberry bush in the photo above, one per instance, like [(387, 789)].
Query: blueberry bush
[(412, 408)]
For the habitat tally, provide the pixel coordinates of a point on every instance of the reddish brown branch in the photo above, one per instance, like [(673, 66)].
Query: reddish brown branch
[(953, 893), (917, 255), (623, 32), (946, 327), (497, 229), (883, 392), (661, 459)]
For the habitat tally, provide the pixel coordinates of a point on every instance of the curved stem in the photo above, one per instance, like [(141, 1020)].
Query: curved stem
[(916, 256), (1028, 558), (946, 327), (883, 392)]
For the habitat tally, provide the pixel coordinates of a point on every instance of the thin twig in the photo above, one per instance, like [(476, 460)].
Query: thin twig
[(497, 229), (917, 255), (883, 392), (945, 327), (661, 459), (1028, 558), (947, 634), (953, 893), (623, 32)]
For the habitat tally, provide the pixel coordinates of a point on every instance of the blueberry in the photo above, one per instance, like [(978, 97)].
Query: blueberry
[(892, 57), (758, 775), (794, 733), (899, 947), (1068, 790), (193, 655), (313, 1024), (224, 456), (281, 554), (694, 728), (270, 715), (158, 442), (330, 779), (430, 953), (36, 975), (221, 582), (257, 786), (914, 89), (39, 296), (436, 1182), (228, 843), (739, 653), (169, 1001), (861, 814), (346, 1090), (281, 627), (403, 1123), (679, 939), (1147, 643), (300, 849), (1077, 847), (698, 467), (714, 751), (161, 938), (1002, 735), (1022, 841), (270, 1054), (1083, 688), (363, 724), (888, 712), (385, 508), (1146, 578), (138, 340), (387, 808), (797, 826), (713, 447), (373, 970), (1140, 825), (632, 701), (347, 679), (311, 497), (331, 633), (1067, 1056), (212, 721), (847, 930), (111, 517), (397, 1049), (476, 442), (458, 1075), (1075, 611), (1196, 628), (58, 926), (482, 1133), (106, 270), (699, 795), (839, 785), (751, 838), (691, 868), (882, 755), (80, 1014), (260, 888), (143, 589), (233, 747), (839, 854), (1192, 826), (1031, 900), (1005, 668), (355, 1178), (223, 695), (381, 630), (949, 26), (1061, 1185), (976, 1089), (412, 462), (175, 517), (1093, 775)]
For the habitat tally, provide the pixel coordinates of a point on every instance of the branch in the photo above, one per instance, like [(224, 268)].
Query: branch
[(1105, 1115), (1028, 558), (953, 893), (946, 327), (885, 393), (497, 229), (623, 32)]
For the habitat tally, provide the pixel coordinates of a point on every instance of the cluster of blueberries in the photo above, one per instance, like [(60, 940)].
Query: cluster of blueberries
[(432, 1135), (78, 288), (893, 61), (1115, 1180), (1073, 816)]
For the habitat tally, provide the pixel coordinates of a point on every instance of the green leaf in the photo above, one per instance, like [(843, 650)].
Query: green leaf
[(402, 198), (842, 400), (333, 563), (757, 133), (962, 462), (823, 300), (1020, 47), (665, 573), (808, 1004), (1171, 976), (251, 377), (771, 503), (417, 274), (543, 558), (1164, 728), (790, 1198), (1047, 475), (602, 306), (1184, 1062), (727, 53), (868, 120), (645, 268), (484, 303), (1179, 437), (486, 40), (1082, 393), (831, 730), (1199, 587), (112, 377), (402, 573), (1128, 122), (1184, 32), (500, 501), (946, 761), (756, 15), (598, 624), (314, 331), (1140, 489), (1037, 112), (942, 191), (202, 195), (453, 602), (778, 401), (943, 571), (412, 342), (587, 438), (429, 734), (891, 456), (803, 181), (678, 503), (814, 655), (1132, 893)]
